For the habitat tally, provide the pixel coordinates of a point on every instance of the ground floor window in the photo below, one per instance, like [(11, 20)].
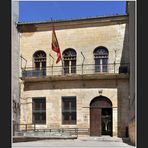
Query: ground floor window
[(39, 110), (69, 110)]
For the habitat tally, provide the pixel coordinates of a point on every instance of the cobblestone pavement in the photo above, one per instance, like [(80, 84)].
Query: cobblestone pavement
[(92, 142)]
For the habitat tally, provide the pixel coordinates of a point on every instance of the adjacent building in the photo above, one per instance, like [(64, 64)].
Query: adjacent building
[(131, 10), (15, 55)]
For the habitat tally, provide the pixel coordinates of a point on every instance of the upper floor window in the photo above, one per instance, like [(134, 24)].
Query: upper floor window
[(39, 59), (101, 59), (69, 57)]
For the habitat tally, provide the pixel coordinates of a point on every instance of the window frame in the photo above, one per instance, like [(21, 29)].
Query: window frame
[(70, 60), (72, 113), (39, 63), (38, 111), (100, 56)]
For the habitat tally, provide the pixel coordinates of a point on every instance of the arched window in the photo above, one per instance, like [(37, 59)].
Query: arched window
[(39, 59), (101, 59), (69, 57)]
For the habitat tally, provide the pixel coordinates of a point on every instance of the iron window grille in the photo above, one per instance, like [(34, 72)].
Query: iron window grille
[(39, 58), (69, 56), (101, 59), (69, 110), (39, 110)]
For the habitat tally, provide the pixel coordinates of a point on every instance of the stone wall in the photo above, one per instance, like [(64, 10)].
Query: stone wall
[(132, 133), (15, 55), (117, 93), (132, 38), (84, 40)]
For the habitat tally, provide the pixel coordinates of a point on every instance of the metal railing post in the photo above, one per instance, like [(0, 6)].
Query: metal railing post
[(13, 129), (83, 61), (114, 66), (77, 132), (82, 69), (52, 70), (34, 127), (26, 127), (18, 127)]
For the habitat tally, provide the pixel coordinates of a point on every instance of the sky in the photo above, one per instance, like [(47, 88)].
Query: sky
[(62, 10)]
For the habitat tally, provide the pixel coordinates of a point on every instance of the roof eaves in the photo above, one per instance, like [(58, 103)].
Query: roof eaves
[(67, 20)]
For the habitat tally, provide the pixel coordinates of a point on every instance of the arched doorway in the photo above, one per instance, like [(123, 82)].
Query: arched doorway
[(100, 116)]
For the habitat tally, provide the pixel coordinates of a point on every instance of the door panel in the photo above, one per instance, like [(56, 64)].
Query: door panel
[(95, 122), (100, 116)]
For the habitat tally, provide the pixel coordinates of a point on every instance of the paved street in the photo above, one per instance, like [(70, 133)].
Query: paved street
[(92, 142)]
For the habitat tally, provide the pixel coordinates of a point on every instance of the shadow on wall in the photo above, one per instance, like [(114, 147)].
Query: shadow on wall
[(127, 141), (123, 90), (125, 52), (70, 84)]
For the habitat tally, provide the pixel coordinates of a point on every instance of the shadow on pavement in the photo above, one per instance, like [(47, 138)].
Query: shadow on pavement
[(127, 141)]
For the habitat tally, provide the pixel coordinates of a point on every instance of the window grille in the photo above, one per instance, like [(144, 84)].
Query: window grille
[(39, 110), (39, 58), (69, 56), (101, 59), (68, 110)]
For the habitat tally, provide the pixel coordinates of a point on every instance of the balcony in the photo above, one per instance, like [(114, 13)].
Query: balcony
[(85, 69)]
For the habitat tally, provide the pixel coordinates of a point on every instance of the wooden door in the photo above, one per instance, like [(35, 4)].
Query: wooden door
[(96, 115), (95, 121)]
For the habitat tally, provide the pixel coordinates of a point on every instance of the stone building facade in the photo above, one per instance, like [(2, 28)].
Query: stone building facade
[(15, 93), (131, 8), (89, 87)]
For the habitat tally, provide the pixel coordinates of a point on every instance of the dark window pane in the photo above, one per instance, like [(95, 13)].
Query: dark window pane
[(97, 65), (66, 116), (66, 67), (66, 106), (69, 110), (39, 118), (43, 65), (73, 116), (101, 52), (43, 68), (39, 110), (73, 105), (104, 65), (73, 66), (69, 54), (37, 65)]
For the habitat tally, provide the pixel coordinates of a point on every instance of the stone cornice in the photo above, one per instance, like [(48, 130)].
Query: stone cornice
[(71, 24)]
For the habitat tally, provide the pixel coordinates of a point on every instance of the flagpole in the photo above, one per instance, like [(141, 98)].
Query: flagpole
[(52, 22)]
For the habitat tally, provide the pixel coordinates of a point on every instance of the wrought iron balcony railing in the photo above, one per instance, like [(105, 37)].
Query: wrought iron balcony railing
[(78, 70)]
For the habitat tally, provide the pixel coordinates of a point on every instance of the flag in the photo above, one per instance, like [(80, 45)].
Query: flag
[(55, 45)]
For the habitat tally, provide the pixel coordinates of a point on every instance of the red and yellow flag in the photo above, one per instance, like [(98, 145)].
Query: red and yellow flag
[(55, 45)]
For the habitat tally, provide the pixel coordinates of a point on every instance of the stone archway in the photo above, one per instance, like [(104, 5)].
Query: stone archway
[(100, 116)]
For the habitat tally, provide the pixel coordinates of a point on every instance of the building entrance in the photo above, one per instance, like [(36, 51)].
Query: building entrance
[(100, 116)]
